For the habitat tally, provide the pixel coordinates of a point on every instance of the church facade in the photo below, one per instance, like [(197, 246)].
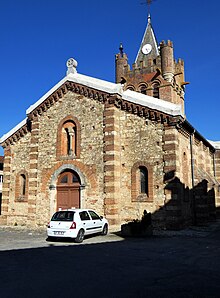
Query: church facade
[(119, 148)]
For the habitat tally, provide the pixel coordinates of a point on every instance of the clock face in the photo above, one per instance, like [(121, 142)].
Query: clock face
[(146, 49)]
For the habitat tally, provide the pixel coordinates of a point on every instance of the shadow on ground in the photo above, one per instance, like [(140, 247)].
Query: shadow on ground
[(152, 267)]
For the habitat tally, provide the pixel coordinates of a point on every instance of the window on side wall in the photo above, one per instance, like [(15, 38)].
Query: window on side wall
[(21, 187), (141, 182)]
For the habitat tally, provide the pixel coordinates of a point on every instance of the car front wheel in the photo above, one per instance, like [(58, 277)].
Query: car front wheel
[(80, 236), (104, 230)]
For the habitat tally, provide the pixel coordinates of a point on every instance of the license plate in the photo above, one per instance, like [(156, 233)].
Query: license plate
[(59, 233)]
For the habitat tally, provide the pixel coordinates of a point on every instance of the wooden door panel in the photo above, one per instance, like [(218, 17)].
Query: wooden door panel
[(68, 198), (74, 197), (68, 190), (62, 198)]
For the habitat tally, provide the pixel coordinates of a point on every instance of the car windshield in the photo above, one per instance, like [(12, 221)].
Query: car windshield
[(63, 216)]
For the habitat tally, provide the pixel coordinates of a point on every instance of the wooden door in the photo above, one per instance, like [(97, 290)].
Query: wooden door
[(68, 190)]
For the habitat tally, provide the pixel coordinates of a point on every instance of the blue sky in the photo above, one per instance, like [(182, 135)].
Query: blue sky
[(37, 37)]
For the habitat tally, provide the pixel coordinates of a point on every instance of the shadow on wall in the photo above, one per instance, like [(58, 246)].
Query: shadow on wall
[(184, 207)]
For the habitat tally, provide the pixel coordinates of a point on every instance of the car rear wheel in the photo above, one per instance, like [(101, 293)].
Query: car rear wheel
[(80, 236), (105, 230)]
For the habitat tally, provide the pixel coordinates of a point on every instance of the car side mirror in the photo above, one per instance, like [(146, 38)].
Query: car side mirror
[(101, 217)]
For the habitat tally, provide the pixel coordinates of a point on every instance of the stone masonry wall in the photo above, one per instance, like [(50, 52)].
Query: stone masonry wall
[(36, 154), (113, 144), (89, 113), (19, 161), (141, 142)]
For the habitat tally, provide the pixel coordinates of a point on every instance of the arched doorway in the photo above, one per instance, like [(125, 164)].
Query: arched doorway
[(68, 190)]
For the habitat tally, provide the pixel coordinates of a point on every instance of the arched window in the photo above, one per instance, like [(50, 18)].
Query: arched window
[(156, 90), (142, 182), (21, 187), (143, 89), (131, 88), (68, 139)]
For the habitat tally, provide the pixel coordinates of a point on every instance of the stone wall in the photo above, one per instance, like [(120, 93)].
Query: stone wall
[(141, 142), (113, 144), (36, 154)]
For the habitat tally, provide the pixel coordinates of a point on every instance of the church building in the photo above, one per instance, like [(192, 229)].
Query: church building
[(118, 148)]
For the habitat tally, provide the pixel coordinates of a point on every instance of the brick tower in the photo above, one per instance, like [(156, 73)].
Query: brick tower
[(155, 72)]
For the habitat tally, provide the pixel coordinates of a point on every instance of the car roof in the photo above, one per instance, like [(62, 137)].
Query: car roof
[(75, 210)]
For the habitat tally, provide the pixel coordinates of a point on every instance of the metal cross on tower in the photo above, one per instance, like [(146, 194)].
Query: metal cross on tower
[(148, 3)]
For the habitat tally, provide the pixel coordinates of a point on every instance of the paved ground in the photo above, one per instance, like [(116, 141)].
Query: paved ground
[(169, 264)]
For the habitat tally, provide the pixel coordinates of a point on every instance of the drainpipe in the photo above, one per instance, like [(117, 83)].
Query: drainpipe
[(214, 165), (192, 177)]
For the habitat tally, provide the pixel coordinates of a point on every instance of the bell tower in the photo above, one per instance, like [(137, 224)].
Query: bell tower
[(155, 72)]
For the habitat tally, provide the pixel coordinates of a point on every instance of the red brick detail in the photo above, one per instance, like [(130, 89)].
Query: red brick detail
[(33, 175), (169, 169), (111, 168), (110, 128), (109, 189), (168, 157), (35, 126), (88, 171), (108, 112), (34, 156), (5, 193), (109, 178), (7, 152), (32, 192), (5, 201), (7, 169), (60, 143), (169, 147), (110, 201), (169, 137), (112, 221), (34, 149), (33, 184), (5, 209), (111, 158), (112, 147), (33, 166), (31, 210)]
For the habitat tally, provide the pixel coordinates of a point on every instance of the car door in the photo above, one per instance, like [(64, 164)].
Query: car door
[(86, 222), (96, 222)]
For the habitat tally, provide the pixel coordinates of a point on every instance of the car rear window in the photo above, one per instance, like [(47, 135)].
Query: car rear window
[(63, 216)]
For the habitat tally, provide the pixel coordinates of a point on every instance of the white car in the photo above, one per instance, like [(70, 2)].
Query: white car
[(76, 223)]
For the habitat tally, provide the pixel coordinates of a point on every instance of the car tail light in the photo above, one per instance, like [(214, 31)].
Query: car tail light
[(73, 225), (48, 225)]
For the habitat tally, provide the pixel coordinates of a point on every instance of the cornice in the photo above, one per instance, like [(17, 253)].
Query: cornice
[(101, 96)]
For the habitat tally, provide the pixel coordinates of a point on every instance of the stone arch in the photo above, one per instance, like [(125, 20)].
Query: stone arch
[(142, 88), (63, 168), (130, 87), (21, 188), (53, 183), (76, 132), (156, 88), (135, 191)]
